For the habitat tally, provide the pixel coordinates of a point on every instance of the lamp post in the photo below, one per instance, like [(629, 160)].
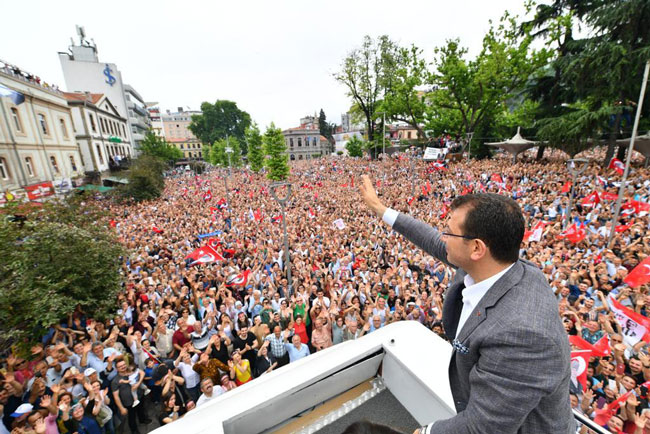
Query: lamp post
[(282, 201), (413, 174), (635, 128), (469, 145), (225, 178), (576, 166)]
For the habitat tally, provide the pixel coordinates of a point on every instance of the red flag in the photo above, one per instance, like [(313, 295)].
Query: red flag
[(585, 345), (156, 230), (112, 223), (635, 326), (592, 200), (240, 279), (214, 209), (311, 213), (378, 183), (617, 165), (204, 255), (579, 364), (566, 187), (222, 203), (602, 181), (276, 219), (228, 253), (605, 195), (207, 196), (497, 178), (439, 166), (444, 211), (410, 200), (214, 242), (640, 275), (429, 189), (257, 214), (573, 234), (640, 207), (623, 228), (602, 346)]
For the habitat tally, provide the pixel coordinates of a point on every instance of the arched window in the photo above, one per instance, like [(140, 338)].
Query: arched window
[(4, 169)]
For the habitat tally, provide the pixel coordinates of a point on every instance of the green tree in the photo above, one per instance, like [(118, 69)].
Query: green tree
[(57, 259), (404, 100), (366, 72), (275, 147), (255, 151), (354, 146), (145, 178), (160, 148), (219, 157), (326, 129), (479, 89), (220, 120)]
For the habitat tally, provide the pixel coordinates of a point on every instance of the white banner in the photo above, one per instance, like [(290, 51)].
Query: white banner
[(633, 332), (434, 154)]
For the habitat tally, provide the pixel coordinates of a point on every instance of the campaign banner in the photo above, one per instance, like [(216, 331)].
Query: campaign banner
[(434, 154), (40, 190)]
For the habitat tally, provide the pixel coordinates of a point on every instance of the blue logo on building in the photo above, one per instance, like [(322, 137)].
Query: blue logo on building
[(109, 77)]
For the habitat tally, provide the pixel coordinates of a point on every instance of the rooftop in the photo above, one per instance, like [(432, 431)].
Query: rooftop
[(92, 98), (22, 75)]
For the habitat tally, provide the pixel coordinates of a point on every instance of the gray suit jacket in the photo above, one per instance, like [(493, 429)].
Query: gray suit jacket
[(513, 373)]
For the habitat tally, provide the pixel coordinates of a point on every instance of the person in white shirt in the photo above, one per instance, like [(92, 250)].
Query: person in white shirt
[(209, 391)]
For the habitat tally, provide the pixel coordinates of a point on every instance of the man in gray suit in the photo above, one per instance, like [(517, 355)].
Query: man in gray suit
[(510, 369)]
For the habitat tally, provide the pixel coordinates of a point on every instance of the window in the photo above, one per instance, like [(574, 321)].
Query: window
[(43, 122), (291, 142), (73, 163), (16, 117), (30, 166), (182, 146), (4, 169), (64, 129), (92, 123), (102, 125), (99, 154), (54, 165), (299, 142), (123, 130)]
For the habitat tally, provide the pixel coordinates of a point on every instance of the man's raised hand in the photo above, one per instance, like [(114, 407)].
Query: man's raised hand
[(369, 196)]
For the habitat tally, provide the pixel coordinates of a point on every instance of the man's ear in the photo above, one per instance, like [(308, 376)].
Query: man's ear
[(479, 249)]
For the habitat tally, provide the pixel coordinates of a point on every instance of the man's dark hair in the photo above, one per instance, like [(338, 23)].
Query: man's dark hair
[(494, 219)]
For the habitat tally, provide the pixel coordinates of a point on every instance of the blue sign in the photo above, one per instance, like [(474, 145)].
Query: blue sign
[(110, 79), (211, 234)]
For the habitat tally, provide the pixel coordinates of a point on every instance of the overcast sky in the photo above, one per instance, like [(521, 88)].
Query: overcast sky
[(275, 59)]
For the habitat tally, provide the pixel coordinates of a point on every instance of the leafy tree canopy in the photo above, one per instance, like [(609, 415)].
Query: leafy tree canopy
[(220, 120), (158, 147), (275, 148)]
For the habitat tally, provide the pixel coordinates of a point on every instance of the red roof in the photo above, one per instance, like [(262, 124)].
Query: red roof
[(82, 96)]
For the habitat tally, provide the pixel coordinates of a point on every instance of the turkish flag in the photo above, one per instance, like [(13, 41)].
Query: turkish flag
[(579, 364), (496, 178), (635, 206), (214, 209), (276, 219), (444, 211), (602, 346), (617, 165), (410, 200), (311, 213), (204, 255), (156, 230), (640, 275), (214, 242), (573, 234), (207, 196), (222, 203), (257, 215), (623, 228), (608, 196), (566, 187), (592, 200), (112, 223), (240, 279)]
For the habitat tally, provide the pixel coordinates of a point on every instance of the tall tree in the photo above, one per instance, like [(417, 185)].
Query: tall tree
[(326, 129), (366, 72), (276, 149), (404, 98), (480, 88), (354, 146), (158, 147), (145, 178), (255, 151), (220, 120), (219, 157)]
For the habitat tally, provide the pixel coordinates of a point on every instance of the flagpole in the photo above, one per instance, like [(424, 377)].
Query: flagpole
[(621, 188)]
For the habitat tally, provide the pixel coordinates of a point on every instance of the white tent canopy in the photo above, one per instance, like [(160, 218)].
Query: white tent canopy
[(641, 144), (515, 146)]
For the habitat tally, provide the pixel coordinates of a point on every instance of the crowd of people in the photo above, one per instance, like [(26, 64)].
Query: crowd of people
[(185, 333)]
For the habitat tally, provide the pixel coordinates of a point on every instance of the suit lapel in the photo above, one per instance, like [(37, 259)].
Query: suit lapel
[(453, 305), (498, 290)]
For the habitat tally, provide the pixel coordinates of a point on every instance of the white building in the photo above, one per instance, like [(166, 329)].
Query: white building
[(37, 135), (138, 115), (156, 120), (305, 142), (102, 134), (83, 72)]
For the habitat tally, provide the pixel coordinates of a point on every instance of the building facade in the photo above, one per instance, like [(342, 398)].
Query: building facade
[(83, 72), (138, 115), (37, 135), (102, 134), (305, 142), (156, 119), (176, 132)]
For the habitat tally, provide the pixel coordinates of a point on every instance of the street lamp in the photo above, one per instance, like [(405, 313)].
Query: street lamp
[(282, 202), (576, 166), (413, 174), (469, 145), (383, 132), (225, 178)]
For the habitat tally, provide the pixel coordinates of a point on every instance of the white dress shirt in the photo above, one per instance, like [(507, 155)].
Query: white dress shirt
[(473, 292)]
